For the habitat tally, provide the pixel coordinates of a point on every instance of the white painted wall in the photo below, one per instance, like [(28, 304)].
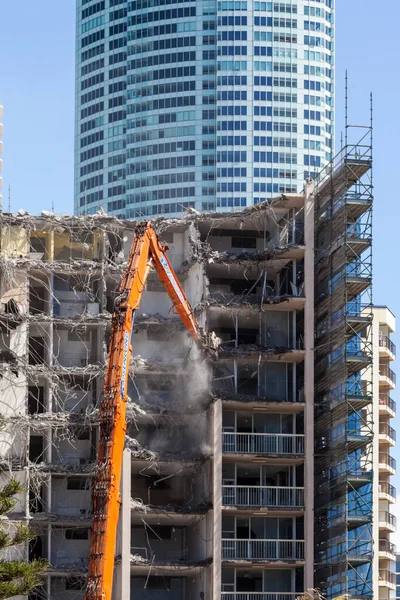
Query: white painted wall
[(71, 503), (69, 353), (66, 551)]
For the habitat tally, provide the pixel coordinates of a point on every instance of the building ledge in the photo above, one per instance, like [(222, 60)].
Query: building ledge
[(263, 563), (289, 251), (227, 301), (258, 401), (245, 351)]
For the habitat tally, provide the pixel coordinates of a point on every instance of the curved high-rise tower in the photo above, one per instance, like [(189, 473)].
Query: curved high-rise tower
[(213, 105)]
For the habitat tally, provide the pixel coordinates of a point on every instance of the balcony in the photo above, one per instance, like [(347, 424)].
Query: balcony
[(268, 497), (259, 550), (387, 521), (387, 434), (387, 492), (387, 405), (387, 347), (263, 443), (387, 463), (387, 579), (387, 376), (259, 595), (387, 550)]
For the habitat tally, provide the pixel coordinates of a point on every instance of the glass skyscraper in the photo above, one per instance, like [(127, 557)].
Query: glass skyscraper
[(205, 104)]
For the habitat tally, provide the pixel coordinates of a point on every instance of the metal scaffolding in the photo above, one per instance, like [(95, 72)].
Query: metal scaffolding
[(343, 371)]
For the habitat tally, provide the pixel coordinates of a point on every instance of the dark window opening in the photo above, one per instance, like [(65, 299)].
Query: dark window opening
[(37, 300), (36, 501), (77, 534), (36, 447), (77, 483), (154, 482), (239, 286), (38, 244), (75, 584), (245, 336), (35, 400), (240, 241), (82, 434), (36, 350), (35, 549), (248, 336), (159, 583), (162, 531)]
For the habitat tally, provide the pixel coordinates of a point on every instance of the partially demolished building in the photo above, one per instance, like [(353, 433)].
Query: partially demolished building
[(219, 484)]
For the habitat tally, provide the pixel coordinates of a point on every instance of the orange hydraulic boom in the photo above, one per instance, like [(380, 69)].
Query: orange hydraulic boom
[(146, 252)]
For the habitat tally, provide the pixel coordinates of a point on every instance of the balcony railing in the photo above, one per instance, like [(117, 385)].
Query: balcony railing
[(262, 443), (387, 517), (386, 342), (385, 371), (258, 596), (262, 549), (386, 400), (386, 459), (271, 497), (385, 429), (387, 488), (387, 577), (386, 546)]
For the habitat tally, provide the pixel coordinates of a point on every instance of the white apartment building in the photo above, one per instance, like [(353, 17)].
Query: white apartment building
[(385, 521)]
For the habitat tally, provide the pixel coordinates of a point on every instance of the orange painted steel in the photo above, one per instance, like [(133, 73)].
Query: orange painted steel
[(146, 252)]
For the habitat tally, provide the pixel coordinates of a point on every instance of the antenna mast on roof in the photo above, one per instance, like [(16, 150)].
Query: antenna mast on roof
[(346, 107)]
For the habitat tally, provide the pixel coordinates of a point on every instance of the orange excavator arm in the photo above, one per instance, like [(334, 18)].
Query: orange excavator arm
[(146, 252)]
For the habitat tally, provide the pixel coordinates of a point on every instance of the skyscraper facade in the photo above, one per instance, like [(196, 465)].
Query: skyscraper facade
[(207, 104)]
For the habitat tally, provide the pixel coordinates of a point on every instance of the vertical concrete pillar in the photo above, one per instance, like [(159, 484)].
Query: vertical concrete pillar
[(217, 499), (122, 572), (309, 385)]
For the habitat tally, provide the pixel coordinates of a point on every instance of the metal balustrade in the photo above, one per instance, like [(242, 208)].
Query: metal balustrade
[(263, 443), (386, 546), (387, 517), (385, 429), (386, 400), (387, 488), (233, 549), (271, 497), (386, 342), (386, 459), (387, 577), (385, 371)]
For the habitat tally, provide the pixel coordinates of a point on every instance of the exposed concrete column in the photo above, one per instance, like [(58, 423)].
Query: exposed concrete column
[(217, 499), (122, 573), (309, 257)]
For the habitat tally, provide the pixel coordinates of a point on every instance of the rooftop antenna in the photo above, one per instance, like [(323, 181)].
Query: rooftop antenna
[(346, 107), (52, 205), (371, 100), (9, 197)]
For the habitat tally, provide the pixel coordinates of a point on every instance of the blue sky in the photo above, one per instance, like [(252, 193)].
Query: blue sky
[(37, 49)]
